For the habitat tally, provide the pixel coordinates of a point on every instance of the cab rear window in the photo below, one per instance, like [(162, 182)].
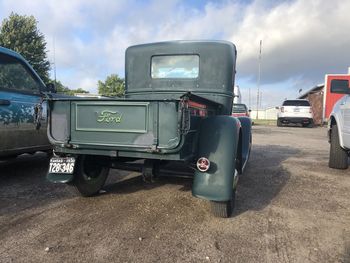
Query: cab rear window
[(175, 67), (296, 103)]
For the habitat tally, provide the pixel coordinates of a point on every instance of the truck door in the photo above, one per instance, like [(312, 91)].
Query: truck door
[(19, 96)]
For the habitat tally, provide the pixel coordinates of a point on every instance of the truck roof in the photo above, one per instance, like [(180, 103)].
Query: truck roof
[(206, 68), (10, 53)]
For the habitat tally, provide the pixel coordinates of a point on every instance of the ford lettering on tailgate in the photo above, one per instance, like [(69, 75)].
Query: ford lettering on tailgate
[(109, 116)]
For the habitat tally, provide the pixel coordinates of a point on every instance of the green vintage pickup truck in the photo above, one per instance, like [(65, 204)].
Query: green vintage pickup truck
[(177, 108)]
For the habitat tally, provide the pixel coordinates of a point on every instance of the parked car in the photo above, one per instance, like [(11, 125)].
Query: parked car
[(177, 110), (239, 110), (339, 126), (295, 111), (23, 114)]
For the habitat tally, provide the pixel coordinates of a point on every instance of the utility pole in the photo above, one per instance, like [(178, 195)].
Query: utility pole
[(249, 100), (258, 93), (54, 60)]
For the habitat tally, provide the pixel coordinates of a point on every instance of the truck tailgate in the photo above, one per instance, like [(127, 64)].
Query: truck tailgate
[(117, 123)]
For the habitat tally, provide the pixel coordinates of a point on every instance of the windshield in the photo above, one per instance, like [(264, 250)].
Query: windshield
[(296, 103), (15, 76), (239, 108), (176, 66)]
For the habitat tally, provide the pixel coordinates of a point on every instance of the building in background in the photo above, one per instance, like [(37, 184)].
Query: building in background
[(87, 95), (267, 114), (321, 99), (315, 97)]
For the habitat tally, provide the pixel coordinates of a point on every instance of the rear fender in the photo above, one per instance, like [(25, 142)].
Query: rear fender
[(246, 134), (334, 119), (218, 142), (59, 178)]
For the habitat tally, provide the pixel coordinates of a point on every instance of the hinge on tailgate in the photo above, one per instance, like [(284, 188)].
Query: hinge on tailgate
[(185, 116)]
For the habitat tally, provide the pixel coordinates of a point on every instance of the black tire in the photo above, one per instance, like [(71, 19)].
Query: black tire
[(90, 174), (224, 209), (49, 154), (338, 157), (279, 123), (311, 124)]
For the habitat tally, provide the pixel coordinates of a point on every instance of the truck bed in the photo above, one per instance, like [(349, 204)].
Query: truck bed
[(115, 123), (134, 125)]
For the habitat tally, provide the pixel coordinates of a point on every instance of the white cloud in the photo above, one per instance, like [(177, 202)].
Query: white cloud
[(302, 40), (305, 38), (88, 83)]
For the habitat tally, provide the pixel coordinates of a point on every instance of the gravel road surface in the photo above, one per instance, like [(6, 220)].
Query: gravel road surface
[(290, 207)]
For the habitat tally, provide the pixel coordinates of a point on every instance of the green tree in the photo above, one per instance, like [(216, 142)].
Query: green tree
[(114, 86), (20, 33), (65, 90)]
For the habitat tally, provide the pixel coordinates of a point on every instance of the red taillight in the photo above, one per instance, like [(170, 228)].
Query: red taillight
[(282, 109), (203, 164)]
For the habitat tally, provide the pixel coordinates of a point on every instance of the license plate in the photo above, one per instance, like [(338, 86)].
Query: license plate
[(296, 110), (62, 165)]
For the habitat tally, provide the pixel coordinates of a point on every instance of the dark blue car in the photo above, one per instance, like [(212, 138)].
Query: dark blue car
[(23, 113)]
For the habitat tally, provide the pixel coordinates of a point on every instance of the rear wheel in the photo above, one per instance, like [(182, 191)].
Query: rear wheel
[(224, 209), (90, 174), (49, 154), (338, 157), (279, 123), (311, 124)]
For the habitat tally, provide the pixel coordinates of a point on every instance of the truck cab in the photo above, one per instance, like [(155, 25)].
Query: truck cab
[(23, 114)]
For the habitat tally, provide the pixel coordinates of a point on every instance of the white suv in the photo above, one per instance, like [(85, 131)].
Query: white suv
[(295, 111)]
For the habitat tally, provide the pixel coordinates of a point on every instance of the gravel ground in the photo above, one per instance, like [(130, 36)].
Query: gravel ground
[(290, 207)]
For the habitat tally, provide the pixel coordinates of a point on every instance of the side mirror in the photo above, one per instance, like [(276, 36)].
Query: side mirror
[(249, 110), (277, 108), (340, 86), (51, 87)]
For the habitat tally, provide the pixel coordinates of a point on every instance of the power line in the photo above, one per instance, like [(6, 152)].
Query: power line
[(258, 92), (54, 60)]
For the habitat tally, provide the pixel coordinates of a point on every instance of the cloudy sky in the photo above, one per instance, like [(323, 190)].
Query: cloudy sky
[(302, 39)]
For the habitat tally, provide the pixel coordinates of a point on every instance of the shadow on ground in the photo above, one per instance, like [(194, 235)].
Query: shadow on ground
[(262, 181), (23, 184), (135, 183), (263, 178), (346, 256)]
